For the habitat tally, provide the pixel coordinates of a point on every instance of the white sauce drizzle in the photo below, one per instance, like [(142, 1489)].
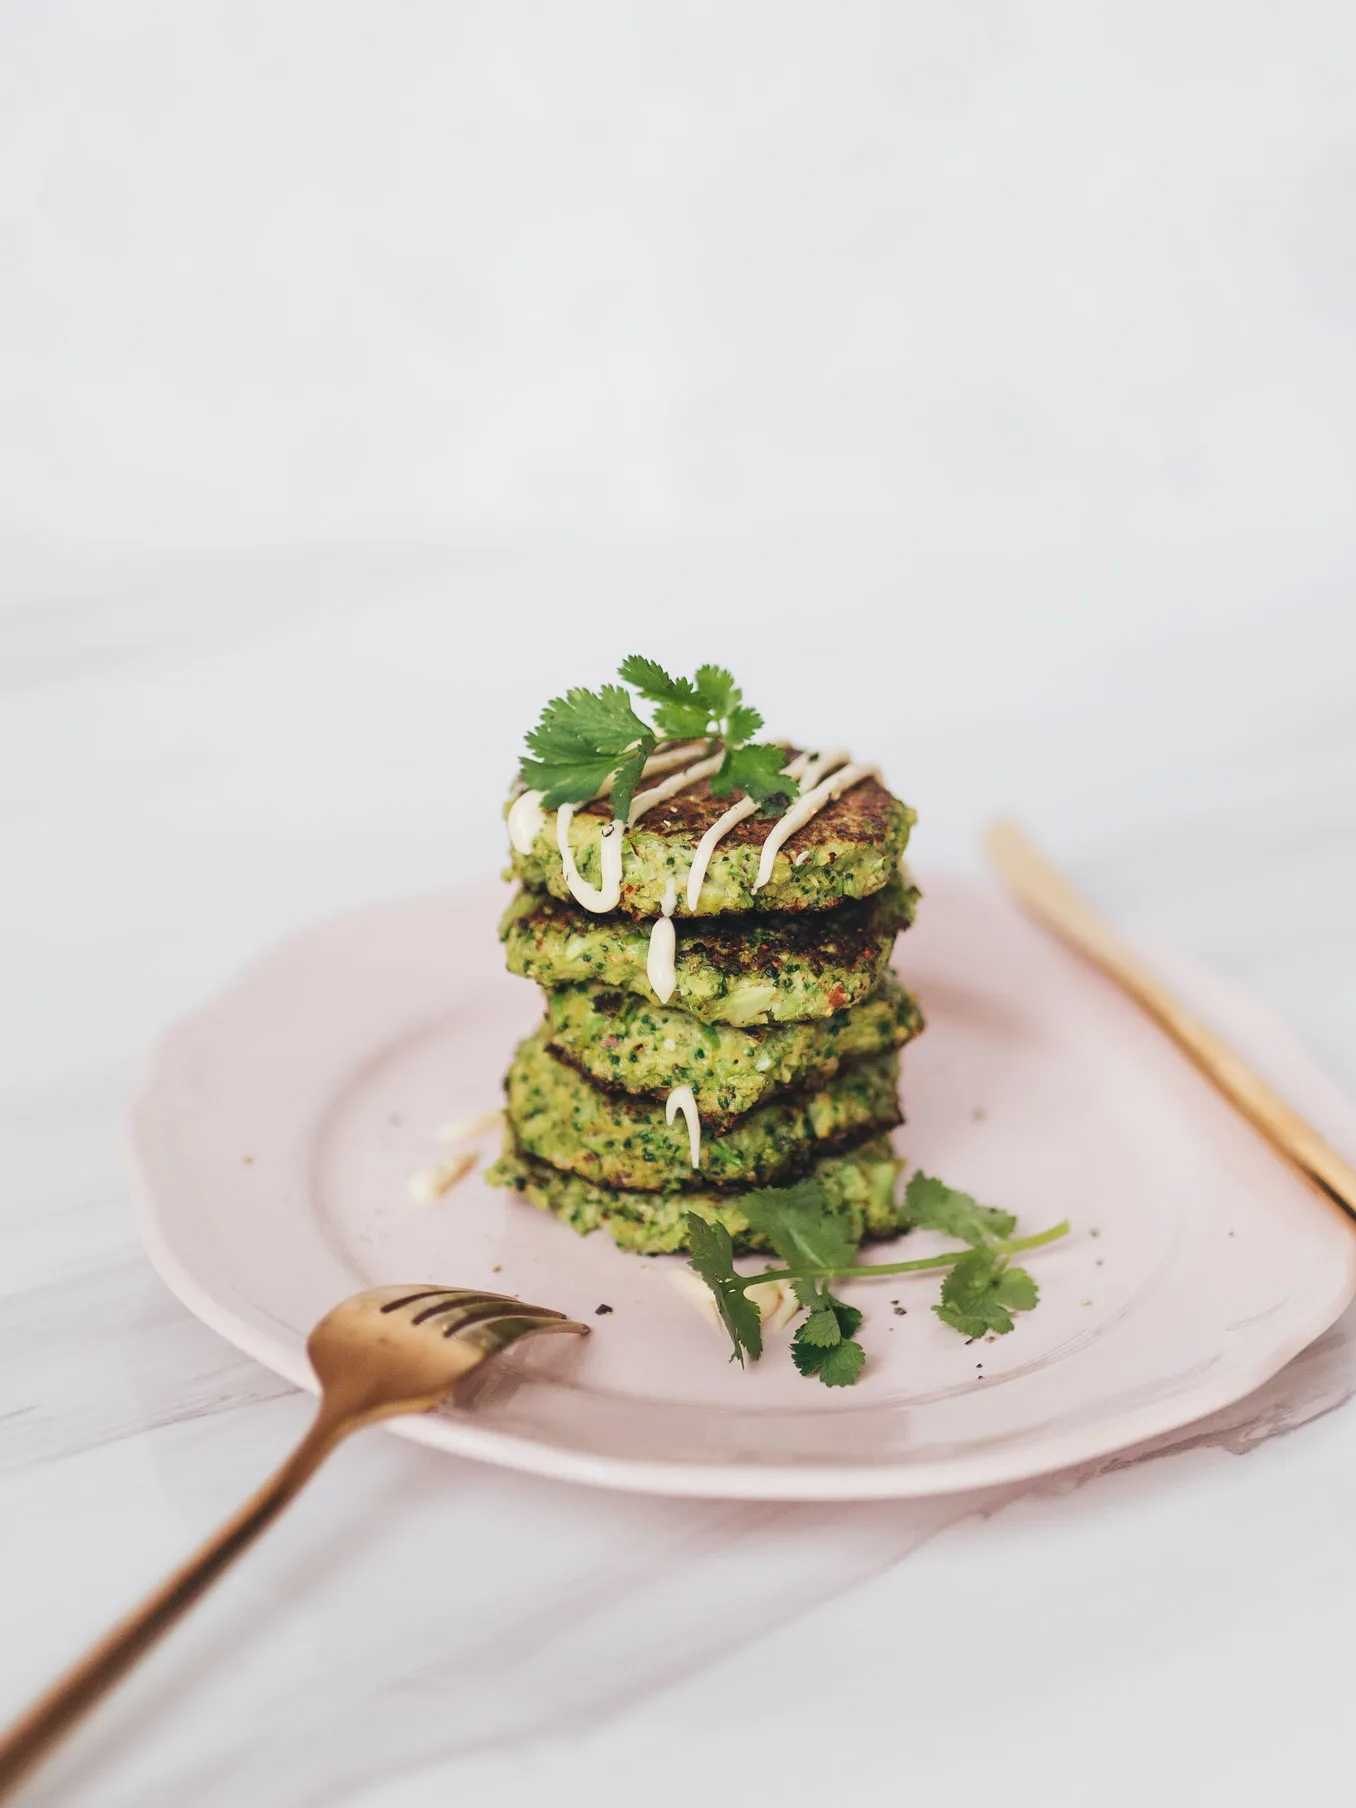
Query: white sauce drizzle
[(659, 762), (809, 766), (824, 777), (526, 820), (708, 844), (808, 804), (682, 1099), (592, 897), (690, 775), (659, 962), (821, 764), (607, 898)]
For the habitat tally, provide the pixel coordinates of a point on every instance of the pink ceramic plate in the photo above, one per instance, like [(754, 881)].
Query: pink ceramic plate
[(274, 1135)]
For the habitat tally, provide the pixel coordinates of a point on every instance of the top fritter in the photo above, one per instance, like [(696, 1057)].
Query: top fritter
[(849, 849), (686, 810)]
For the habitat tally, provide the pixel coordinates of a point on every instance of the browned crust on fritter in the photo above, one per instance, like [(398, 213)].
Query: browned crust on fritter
[(862, 815), (715, 1123), (851, 935), (842, 1144)]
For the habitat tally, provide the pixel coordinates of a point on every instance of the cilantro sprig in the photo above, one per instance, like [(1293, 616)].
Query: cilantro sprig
[(583, 739), (713, 1260), (586, 738), (982, 1292), (813, 1236)]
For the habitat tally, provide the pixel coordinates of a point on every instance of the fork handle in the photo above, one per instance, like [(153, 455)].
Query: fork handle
[(1053, 901), (72, 1696)]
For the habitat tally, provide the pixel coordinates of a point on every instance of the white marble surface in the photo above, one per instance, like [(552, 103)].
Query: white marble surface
[(979, 381)]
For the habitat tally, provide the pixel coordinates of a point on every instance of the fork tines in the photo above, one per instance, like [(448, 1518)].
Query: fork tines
[(465, 1307)]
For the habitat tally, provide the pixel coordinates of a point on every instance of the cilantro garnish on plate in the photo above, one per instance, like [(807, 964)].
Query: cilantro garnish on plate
[(587, 737), (812, 1234)]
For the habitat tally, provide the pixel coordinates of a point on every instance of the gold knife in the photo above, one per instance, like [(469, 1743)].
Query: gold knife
[(1053, 901)]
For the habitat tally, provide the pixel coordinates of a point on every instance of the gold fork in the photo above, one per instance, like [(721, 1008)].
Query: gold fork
[(389, 1351)]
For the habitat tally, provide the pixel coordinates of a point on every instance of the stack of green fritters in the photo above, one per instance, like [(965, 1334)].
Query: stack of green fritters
[(784, 1020)]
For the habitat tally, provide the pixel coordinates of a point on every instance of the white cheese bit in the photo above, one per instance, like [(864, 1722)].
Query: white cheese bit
[(696, 1292), (471, 1129), (776, 1301), (592, 897), (526, 820), (428, 1184), (751, 1004), (808, 804), (670, 787), (659, 967), (682, 1099)]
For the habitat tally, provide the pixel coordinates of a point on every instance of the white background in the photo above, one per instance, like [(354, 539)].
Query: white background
[(979, 381)]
